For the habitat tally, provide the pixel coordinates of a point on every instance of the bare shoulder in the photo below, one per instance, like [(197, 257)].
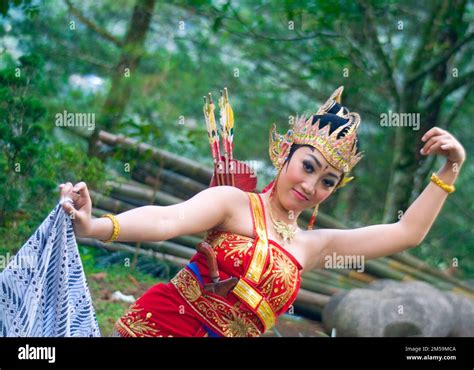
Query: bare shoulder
[(230, 193), (236, 205), (314, 243)]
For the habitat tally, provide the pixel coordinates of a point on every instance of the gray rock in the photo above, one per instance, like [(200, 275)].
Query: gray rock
[(390, 308), (381, 284), (330, 309), (463, 315)]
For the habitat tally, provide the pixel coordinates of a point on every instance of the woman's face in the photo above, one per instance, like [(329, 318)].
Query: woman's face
[(309, 174)]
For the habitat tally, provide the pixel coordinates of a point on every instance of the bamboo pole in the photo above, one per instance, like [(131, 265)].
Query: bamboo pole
[(410, 270), (408, 259), (168, 247), (326, 280), (361, 277), (341, 278), (142, 176), (306, 296), (183, 183), (141, 194), (381, 270), (110, 204), (169, 160), (126, 248), (317, 287)]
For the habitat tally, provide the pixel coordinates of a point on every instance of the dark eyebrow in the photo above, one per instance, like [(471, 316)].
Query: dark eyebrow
[(320, 166)]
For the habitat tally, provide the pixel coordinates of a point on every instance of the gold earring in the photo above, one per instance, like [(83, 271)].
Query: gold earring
[(313, 217), (275, 183)]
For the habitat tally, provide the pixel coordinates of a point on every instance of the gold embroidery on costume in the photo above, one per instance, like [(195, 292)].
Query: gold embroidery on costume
[(235, 326), (230, 321), (238, 247), (135, 325), (284, 269), (266, 314), (255, 269), (246, 292), (216, 242), (256, 301), (280, 280)]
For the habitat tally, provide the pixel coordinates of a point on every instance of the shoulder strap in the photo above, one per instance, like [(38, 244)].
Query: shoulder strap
[(255, 269)]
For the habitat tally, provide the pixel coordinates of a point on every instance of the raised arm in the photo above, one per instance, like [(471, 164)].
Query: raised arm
[(386, 239), (207, 209)]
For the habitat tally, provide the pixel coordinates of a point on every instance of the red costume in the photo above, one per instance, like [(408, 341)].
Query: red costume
[(269, 279)]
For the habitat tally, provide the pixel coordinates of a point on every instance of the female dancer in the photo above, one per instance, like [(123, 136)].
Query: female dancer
[(259, 249)]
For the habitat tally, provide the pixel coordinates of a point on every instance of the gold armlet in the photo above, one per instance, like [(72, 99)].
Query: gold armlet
[(116, 230), (447, 188)]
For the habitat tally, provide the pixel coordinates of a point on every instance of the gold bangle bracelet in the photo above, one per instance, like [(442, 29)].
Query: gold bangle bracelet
[(116, 230), (447, 188)]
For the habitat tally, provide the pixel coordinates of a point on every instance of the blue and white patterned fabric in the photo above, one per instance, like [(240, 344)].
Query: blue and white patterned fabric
[(43, 290)]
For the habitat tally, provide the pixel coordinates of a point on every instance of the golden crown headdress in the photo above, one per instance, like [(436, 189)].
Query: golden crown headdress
[(340, 153)]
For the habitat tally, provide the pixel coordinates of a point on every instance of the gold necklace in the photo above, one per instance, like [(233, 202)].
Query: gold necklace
[(286, 231)]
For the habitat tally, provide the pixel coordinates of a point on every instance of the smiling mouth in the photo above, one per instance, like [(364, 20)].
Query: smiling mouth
[(300, 195)]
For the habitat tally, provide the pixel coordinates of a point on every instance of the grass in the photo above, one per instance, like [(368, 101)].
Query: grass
[(104, 281)]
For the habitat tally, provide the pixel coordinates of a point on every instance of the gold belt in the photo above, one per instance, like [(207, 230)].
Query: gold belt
[(245, 292)]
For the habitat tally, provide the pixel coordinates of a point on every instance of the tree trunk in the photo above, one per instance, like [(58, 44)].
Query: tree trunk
[(409, 169), (132, 52)]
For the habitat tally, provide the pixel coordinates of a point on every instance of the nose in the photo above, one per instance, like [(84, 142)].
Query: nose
[(308, 189)]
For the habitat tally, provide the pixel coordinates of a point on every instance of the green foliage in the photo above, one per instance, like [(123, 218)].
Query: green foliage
[(23, 138), (33, 162), (26, 5)]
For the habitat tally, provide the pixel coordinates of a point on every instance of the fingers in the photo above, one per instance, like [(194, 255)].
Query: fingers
[(434, 140), (74, 192), (69, 208), (65, 189), (429, 144), (447, 146), (81, 188), (68, 197), (432, 132), (437, 145)]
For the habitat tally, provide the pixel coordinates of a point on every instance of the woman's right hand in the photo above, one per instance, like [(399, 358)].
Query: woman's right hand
[(81, 209)]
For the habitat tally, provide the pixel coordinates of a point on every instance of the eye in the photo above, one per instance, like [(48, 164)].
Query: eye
[(308, 167), (328, 183)]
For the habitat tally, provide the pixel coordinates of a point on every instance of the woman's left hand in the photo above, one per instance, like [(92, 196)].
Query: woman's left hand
[(439, 141)]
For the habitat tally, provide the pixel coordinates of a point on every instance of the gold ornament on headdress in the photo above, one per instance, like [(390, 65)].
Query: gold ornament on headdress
[(340, 153)]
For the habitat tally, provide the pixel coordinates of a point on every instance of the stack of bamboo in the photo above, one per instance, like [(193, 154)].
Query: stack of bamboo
[(165, 178)]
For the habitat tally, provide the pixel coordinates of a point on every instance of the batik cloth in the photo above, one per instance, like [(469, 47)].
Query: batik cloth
[(43, 289)]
